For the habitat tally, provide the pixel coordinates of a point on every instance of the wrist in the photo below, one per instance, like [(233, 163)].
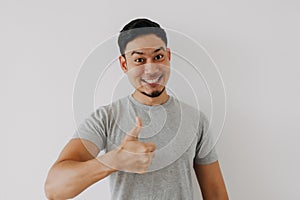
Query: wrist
[(106, 161)]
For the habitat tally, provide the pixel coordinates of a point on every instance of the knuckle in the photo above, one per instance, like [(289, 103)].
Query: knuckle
[(144, 148), (143, 160)]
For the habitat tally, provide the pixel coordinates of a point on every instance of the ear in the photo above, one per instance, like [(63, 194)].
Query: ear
[(123, 63), (169, 53)]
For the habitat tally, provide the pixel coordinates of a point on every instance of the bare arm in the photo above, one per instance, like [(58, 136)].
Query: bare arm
[(75, 170), (77, 166), (211, 181)]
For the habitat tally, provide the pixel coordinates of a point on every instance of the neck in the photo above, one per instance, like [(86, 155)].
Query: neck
[(150, 101)]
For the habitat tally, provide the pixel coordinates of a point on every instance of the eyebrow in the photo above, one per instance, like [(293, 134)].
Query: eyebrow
[(141, 53)]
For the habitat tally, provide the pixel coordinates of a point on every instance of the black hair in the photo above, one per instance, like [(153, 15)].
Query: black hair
[(136, 28)]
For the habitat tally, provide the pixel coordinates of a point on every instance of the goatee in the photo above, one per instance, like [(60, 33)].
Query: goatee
[(154, 94)]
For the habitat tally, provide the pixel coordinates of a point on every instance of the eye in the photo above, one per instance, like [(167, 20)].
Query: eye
[(158, 57), (139, 60)]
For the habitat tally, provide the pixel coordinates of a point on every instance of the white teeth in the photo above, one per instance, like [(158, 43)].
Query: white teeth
[(152, 81)]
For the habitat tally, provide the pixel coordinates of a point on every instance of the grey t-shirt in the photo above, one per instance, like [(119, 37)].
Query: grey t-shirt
[(180, 133)]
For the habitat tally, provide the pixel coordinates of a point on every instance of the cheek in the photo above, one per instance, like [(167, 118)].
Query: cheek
[(135, 72), (165, 69)]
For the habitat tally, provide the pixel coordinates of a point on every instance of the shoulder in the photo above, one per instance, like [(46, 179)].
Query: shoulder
[(196, 115), (188, 108), (105, 112)]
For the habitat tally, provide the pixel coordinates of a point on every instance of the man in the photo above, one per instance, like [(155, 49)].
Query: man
[(152, 141)]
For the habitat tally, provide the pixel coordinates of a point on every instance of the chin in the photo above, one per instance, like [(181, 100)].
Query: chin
[(153, 93)]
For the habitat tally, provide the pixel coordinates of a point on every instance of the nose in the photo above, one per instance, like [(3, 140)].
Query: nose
[(150, 69)]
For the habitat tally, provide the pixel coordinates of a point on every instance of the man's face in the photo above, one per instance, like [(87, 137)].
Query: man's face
[(147, 64)]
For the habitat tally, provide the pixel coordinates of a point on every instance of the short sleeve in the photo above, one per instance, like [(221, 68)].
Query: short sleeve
[(206, 152), (93, 128)]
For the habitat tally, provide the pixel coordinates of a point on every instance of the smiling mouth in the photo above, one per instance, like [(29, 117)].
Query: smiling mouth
[(151, 81)]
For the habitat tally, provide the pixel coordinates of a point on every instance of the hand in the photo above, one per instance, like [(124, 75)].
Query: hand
[(132, 155)]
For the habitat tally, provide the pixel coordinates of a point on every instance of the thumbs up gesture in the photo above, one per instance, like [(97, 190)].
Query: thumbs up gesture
[(132, 155)]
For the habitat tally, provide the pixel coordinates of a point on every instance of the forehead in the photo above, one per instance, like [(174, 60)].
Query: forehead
[(145, 43)]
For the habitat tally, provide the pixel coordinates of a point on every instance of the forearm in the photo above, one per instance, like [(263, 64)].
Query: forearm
[(216, 194), (69, 178), (211, 181)]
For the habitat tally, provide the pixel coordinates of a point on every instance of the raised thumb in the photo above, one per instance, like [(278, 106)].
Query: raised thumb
[(134, 132)]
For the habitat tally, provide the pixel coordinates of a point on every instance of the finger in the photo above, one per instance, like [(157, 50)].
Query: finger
[(134, 132), (150, 147), (152, 155), (138, 121)]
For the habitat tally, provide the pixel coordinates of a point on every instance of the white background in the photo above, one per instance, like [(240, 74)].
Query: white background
[(254, 43)]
